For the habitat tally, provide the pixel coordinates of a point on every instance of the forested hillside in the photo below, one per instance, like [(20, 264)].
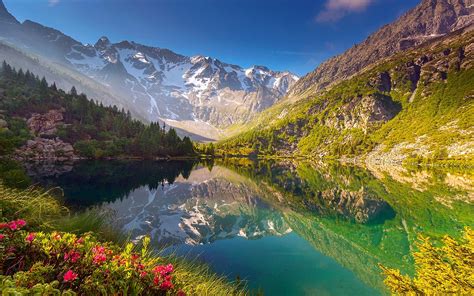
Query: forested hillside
[(39, 121), (416, 104)]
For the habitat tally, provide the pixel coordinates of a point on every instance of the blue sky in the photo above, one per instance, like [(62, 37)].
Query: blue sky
[(293, 35)]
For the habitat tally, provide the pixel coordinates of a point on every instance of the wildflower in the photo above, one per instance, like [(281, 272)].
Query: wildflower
[(56, 236), (166, 285), (98, 249), (12, 225), (163, 269), (72, 256), (181, 293), (30, 237), (80, 240), (70, 276), (143, 274), (3, 225), (99, 258), (2, 237), (20, 223)]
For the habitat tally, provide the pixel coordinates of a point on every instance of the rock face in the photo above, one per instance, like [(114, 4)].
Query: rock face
[(41, 149), (364, 112), (45, 124), (430, 19), (45, 146)]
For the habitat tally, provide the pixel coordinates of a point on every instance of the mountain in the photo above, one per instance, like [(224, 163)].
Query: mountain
[(200, 94), (415, 105), (428, 20)]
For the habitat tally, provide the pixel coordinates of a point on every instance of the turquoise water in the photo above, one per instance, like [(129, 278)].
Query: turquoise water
[(283, 228), (286, 265)]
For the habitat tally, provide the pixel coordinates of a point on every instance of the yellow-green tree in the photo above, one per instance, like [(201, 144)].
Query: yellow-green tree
[(448, 269)]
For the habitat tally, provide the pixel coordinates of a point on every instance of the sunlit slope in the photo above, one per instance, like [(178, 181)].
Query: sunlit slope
[(417, 103)]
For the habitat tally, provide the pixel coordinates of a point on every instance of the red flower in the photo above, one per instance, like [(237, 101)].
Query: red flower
[(3, 225), (80, 240), (98, 249), (12, 225), (30, 237), (20, 223), (143, 274), (166, 285), (99, 258), (134, 257), (2, 237), (72, 255), (163, 269), (70, 276), (181, 293)]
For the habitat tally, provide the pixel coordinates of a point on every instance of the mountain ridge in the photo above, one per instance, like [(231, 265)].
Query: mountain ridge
[(199, 94), (427, 20)]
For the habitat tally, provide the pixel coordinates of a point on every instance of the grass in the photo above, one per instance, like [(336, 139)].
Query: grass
[(45, 212)]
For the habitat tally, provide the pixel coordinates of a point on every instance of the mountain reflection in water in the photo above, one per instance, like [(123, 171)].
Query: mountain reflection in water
[(351, 218)]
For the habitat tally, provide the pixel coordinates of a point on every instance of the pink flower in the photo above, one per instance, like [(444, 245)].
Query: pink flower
[(20, 223), (143, 274), (166, 285), (98, 249), (80, 240), (12, 225), (99, 258), (2, 237), (30, 237), (17, 224), (163, 269), (72, 256), (70, 276)]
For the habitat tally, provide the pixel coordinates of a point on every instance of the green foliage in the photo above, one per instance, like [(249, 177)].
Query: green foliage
[(94, 130), (439, 270), (13, 174)]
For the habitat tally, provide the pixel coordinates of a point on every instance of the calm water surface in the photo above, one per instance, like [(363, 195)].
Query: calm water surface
[(285, 228)]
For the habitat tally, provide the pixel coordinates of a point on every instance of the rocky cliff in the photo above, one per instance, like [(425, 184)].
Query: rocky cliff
[(430, 19)]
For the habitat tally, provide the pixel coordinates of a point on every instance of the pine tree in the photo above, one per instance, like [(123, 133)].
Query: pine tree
[(73, 91)]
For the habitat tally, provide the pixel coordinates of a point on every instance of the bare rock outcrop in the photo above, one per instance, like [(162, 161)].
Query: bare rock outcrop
[(45, 124), (45, 146)]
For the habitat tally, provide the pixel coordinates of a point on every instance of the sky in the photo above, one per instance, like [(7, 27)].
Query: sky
[(294, 35)]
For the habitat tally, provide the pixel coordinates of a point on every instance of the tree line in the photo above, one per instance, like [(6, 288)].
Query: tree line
[(95, 130)]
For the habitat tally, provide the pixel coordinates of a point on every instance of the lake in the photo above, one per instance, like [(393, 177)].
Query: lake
[(286, 228)]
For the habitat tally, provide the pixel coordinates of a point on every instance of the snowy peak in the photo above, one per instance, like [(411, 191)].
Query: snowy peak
[(198, 94), (176, 87)]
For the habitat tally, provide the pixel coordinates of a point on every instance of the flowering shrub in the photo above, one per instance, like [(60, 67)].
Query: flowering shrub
[(52, 262)]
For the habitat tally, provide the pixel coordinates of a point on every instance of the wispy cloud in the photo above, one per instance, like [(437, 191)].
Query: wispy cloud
[(334, 10), (53, 2)]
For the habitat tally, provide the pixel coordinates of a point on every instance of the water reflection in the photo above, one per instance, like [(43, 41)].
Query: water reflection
[(358, 217)]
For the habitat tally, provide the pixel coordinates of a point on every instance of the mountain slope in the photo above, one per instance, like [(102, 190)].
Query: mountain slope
[(431, 18), (418, 103), (199, 94)]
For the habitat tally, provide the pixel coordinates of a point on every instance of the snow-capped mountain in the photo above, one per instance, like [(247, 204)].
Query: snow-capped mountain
[(198, 94)]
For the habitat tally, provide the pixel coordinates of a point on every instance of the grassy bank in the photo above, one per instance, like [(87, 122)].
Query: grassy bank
[(47, 219)]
